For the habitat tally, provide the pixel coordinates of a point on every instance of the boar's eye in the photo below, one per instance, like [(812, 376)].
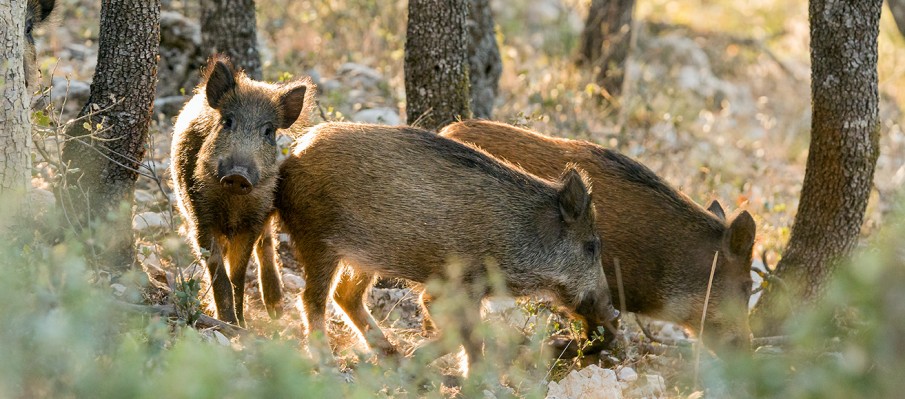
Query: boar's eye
[(269, 133), (592, 247), (227, 122), (29, 28)]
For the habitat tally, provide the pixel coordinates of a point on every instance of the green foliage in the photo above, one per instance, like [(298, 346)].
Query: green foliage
[(186, 299), (64, 335), (849, 345)]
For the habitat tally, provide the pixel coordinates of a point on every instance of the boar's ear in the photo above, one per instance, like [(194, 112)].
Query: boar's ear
[(46, 8), (575, 195), (291, 103), (740, 236), (220, 80), (717, 210)]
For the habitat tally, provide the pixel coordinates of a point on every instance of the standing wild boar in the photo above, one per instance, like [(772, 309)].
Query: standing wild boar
[(36, 14), (664, 242), (225, 172), (401, 202)]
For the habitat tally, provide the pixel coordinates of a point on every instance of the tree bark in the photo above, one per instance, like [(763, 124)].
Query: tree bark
[(436, 63), (606, 41), (96, 198), (229, 27), (843, 153), (15, 122), (897, 8), (485, 65)]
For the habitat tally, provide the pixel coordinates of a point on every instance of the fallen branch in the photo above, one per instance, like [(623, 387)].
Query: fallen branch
[(169, 311)]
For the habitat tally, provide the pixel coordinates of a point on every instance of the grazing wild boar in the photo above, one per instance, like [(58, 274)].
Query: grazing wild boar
[(664, 242), (401, 202), (225, 172), (36, 15)]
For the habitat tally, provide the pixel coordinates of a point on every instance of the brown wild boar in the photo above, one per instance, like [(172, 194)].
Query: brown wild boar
[(401, 202), (664, 242), (224, 175), (36, 15)]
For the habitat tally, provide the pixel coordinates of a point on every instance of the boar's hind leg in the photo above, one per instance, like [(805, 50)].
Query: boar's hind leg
[(269, 273), (238, 252), (320, 265), (350, 296), (223, 294)]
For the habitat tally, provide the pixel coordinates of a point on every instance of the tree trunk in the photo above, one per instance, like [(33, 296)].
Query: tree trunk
[(843, 153), (605, 43), (897, 7), (484, 59), (97, 198), (436, 63), (15, 122), (229, 27)]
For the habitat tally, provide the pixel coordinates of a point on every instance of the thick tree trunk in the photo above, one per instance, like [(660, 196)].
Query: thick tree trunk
[(98, 196), (15, 122), (436, 63), (229, 27), (897, 7), (484, 59), (843, 153), (605, 42)]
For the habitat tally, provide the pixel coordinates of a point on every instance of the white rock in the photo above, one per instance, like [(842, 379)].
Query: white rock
[(40, 200), (650, 385), (384, 116), (756, 282), (591, 382), (149, 220), (144, 197), (221, 339), (118, 289), (293, 282), (627, 374)]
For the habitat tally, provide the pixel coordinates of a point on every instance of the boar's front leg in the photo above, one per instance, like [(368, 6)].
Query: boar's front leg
[(238, 252), (269, 272), (223, 294)]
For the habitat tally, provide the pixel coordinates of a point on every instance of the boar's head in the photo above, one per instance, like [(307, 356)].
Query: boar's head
[(241, 148)]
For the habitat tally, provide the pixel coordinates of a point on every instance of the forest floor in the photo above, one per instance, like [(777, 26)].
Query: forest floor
[(716, 102)]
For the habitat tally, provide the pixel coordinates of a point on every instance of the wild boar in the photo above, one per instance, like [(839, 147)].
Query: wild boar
[(37, 13), (664, 242), (406, 203), (225, 172)]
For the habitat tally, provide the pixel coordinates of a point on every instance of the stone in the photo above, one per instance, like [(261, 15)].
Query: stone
[(293, 282), (149, 220), (383, 116), (592, 382)]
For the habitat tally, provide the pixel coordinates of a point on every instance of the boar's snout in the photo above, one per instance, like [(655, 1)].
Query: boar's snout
[(598, 311), (236, 178)]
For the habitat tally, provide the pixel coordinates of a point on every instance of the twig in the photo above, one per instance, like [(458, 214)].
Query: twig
[(621, 296), (321, 109), (697, 352), (779, 340), (169, 311)]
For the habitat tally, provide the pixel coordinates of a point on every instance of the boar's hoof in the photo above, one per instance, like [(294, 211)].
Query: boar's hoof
[(236, 184)]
